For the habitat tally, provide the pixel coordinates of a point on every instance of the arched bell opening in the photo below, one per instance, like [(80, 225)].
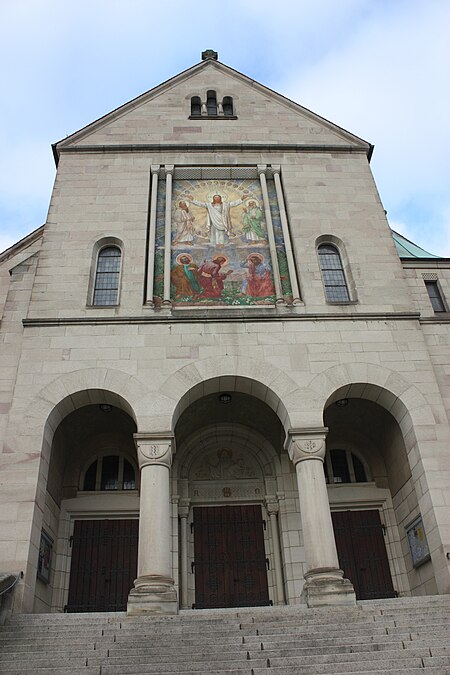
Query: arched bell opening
[(226, 474), (373, 495), (88, 538)]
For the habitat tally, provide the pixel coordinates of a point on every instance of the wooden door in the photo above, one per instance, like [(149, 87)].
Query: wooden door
[(104, 565), (230, 561), (362, 553)]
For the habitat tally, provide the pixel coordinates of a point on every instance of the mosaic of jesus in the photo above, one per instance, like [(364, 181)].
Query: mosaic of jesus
[(220, 249)]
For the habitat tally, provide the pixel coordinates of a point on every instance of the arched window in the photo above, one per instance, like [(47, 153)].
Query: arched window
[(343, 466), (110, 472), (211, 103), (336, 289), (196, 105), (106, 285), (227, 105)]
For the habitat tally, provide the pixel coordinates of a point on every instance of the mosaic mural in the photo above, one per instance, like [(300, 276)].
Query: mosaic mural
[(220, 251)]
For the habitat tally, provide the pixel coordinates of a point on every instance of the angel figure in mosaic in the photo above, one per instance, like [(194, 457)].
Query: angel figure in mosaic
[(184, 221), (252, 219)]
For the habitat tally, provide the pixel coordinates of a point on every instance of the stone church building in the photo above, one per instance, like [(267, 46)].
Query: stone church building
[(224, 379)]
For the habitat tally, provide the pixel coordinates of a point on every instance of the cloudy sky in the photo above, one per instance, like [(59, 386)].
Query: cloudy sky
[(378, 68)]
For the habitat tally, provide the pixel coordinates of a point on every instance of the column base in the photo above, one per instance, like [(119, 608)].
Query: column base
[(326, 586), (152, 595)]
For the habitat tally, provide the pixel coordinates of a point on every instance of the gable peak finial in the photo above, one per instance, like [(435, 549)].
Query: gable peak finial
[(210, 54)]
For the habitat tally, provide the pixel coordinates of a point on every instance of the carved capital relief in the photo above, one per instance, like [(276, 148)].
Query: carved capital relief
[(153, 450), (272, 507), (309, 444), (155, 168), (262, 168)]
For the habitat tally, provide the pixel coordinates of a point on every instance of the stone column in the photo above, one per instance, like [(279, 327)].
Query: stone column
[(272, 510), (325, 584), (286, 235), (152, 235), (272, 246), (167, 235), (183, 512), (154, 590)]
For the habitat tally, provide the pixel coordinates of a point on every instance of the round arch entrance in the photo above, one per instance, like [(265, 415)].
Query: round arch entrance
[(373, 495), (225, 472), (91, 505)]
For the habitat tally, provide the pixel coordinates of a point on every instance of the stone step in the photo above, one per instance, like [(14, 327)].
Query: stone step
[(263, 667), (430, 670), (401, 639), (96, 670)]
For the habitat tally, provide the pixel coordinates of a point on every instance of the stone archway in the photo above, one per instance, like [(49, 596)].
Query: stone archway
[(35, 429), (408, 483), (225, 472)]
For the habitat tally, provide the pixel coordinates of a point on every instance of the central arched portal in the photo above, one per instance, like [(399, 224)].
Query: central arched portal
[(226, 469)]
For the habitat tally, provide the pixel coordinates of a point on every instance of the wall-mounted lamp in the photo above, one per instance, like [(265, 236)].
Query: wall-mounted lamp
[(225, 398), (105, 407), (342, 402)]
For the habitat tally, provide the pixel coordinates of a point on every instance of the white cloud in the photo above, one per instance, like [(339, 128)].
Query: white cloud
[(376, 68), (387, 84)]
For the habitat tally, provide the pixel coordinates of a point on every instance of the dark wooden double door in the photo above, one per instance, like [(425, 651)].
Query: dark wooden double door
[(229, 557), (104, 564), (362, 553)]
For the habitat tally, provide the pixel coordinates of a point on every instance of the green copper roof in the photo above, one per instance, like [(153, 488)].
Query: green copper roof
[(406, 248)]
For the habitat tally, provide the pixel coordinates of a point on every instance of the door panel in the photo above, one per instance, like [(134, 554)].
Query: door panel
[(230, 563), (104, 565), (362, 553)]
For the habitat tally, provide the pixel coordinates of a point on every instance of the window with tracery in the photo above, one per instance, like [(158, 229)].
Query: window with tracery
[(107, 273), (333, 276), (110, 472), (196, 106), (211, 103), (212, 107), (227, 106), (343, 466), (436, 299)]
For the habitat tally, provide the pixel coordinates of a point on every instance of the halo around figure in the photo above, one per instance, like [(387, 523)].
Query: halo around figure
[(220, 255), (183, 255), (256, 255), (249, 200), (224, 196)]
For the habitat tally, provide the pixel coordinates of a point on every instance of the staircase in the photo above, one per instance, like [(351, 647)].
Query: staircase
[(405, 635)]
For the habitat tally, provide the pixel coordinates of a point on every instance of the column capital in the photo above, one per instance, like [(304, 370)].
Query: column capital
[(155, 168), (154, 449), (262, 168), (168, 169), (272, 506), (305, 444)]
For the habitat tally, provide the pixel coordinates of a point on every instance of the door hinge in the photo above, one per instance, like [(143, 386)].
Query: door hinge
[(268, 563), (384, 528), (192, 567), (192, 527), (71, 540)]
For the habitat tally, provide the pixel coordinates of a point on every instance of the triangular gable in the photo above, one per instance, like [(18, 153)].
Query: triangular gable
[(22, 250), (161, 116)]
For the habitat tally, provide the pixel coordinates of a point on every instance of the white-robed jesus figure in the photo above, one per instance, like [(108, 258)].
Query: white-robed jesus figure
[(219, 226)]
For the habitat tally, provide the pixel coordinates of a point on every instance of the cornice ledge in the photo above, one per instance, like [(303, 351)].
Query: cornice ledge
[(211, 316), (212, 147), (444, 318)]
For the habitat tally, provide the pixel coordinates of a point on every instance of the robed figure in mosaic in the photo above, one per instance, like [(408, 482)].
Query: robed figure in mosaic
[(218, 225)]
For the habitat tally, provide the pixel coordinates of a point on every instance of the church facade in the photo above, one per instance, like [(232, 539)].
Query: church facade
[(225, 381)]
